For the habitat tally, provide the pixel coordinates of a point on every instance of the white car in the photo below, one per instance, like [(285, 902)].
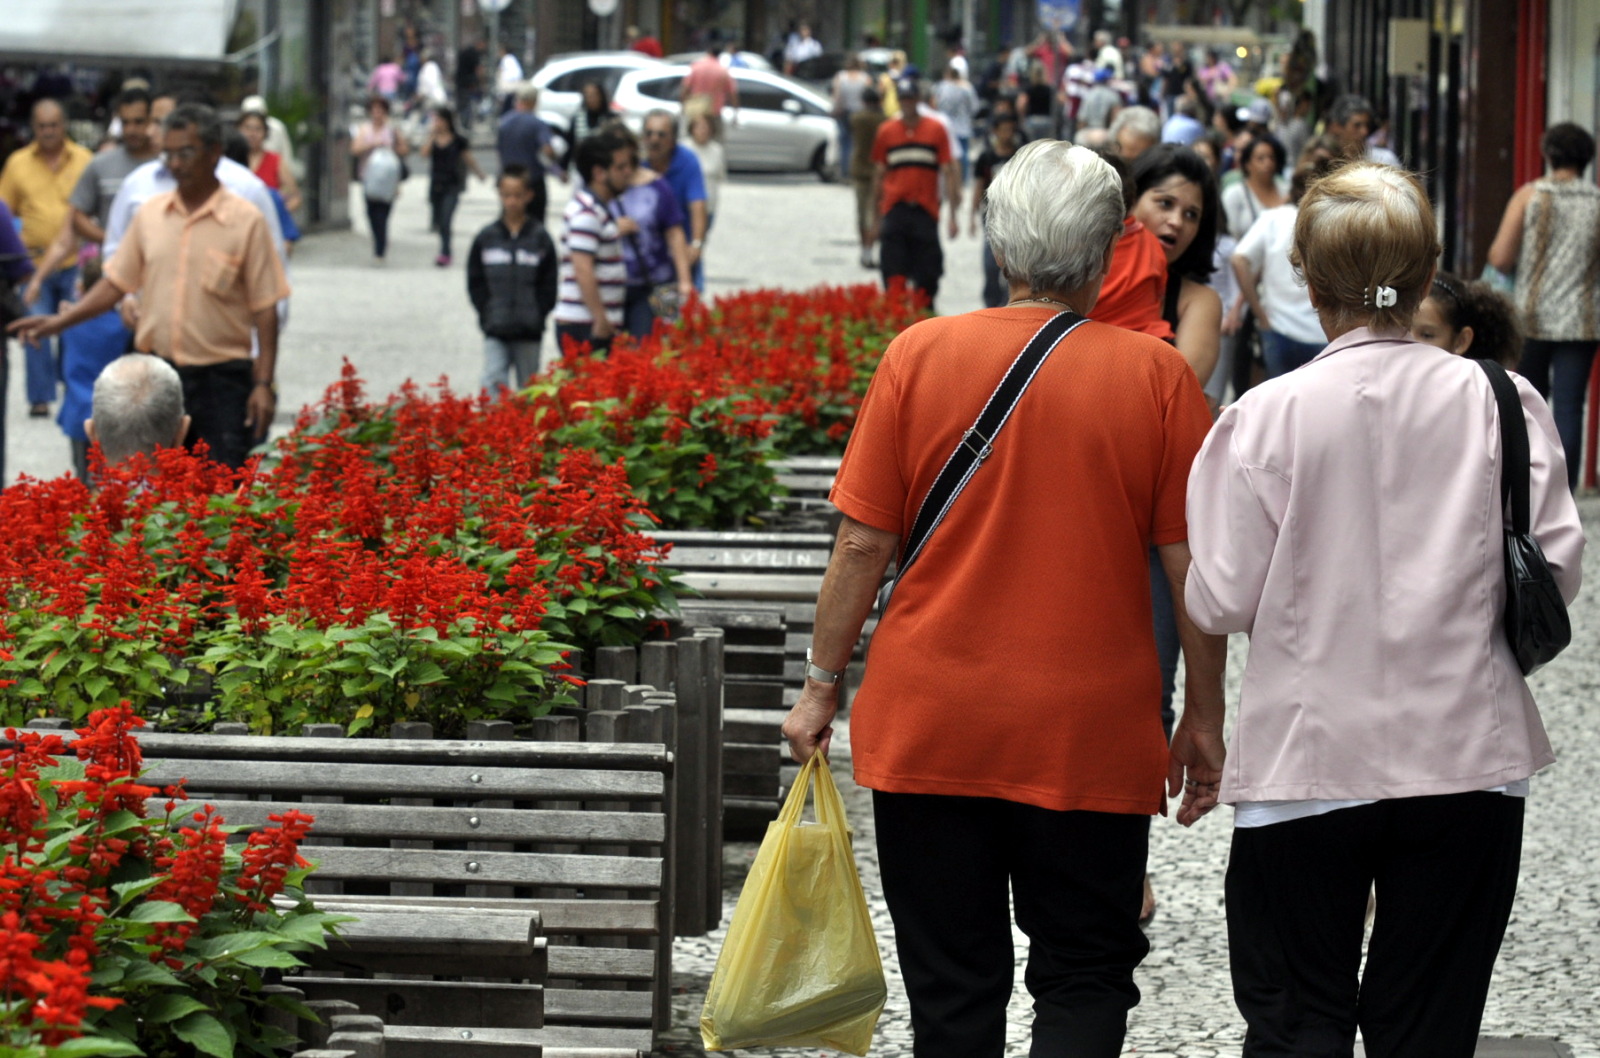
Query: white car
[(560, 81), (782, 125), (752, 60)]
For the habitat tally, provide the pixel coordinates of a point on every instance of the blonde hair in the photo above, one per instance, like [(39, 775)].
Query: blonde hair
[(1363, 230)]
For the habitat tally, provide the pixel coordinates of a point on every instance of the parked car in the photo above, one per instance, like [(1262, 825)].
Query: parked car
[(782, 126), (752, 60), (560, 81)]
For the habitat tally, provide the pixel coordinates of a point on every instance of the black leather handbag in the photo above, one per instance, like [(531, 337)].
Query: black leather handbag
[(1536, 620)]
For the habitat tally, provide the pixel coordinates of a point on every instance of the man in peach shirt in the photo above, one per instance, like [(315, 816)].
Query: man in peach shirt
[(202, 261)]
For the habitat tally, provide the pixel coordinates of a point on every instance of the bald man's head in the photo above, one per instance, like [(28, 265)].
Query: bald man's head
[(49, 125)]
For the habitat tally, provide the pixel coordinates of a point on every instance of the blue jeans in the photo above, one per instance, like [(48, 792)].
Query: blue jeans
[(503, 356), (1167, 645), (1283, 355), (43, 363), (1560, 372), (637, 315), (844, 143), (966, 157)]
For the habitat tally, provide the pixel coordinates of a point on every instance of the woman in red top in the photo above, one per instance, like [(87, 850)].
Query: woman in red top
[(268, 165)]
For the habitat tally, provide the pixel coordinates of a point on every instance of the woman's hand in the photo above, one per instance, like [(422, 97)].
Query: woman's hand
[(1195, 769), (809, 726), (627, 226)]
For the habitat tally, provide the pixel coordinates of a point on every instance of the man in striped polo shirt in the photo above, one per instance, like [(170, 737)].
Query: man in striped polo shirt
[(911, 154), (594, 277)]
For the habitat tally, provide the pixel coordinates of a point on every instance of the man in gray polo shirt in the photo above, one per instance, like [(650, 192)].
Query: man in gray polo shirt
[(97, 187)]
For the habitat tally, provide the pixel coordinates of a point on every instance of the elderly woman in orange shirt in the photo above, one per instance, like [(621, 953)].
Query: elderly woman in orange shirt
[(1007, 723)]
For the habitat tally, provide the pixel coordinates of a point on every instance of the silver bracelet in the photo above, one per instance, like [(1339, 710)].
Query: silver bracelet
[(820, 674)]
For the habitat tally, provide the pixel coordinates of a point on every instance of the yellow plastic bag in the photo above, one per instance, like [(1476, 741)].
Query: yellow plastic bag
[(800, 964)]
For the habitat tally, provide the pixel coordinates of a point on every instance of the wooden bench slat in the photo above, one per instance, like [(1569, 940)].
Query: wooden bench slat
[(679, 538), (781, 586), (577, 1006), (382, 780), (454, 824), (603, 756), (558, 917), (489, 1039), (506, 868), (814, 463), (620, 964), (747, 558), (445, 931), (510, 1006), (532, 967)]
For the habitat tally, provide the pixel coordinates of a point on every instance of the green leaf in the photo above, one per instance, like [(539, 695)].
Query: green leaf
[(93, 1047), (127, 891), (170, 1006), (274, 958), (427, 672), (95, 686), (159, 911), (149, 973), (206, 1033), (292, 1006)]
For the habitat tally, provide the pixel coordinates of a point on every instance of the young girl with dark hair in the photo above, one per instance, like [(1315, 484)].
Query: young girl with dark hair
[(1468, 319)]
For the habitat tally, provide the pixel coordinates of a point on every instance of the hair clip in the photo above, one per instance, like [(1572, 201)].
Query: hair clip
[(1383, 297)]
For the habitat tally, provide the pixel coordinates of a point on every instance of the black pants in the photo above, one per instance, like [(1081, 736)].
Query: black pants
[(216, 399), (908, 246), (1445, 871), (444, 212), (378, 221), (580, 333), (1075, 877)]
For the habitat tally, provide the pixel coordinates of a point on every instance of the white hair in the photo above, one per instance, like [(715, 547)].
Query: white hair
[(138, 406), (1142, 120), (527, 92), (1051, 215)]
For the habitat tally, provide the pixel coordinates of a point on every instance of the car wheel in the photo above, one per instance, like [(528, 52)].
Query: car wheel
[(819, 164)]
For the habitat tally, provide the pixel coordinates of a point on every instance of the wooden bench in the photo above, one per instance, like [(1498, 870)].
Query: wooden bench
[(761, 589), (436, 817), (807, 480)]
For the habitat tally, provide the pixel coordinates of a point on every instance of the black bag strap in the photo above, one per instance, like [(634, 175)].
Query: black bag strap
[(978, 441), (1514, 453)]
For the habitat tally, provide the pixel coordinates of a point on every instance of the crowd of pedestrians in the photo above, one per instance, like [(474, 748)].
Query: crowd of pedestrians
[(1215, 301)]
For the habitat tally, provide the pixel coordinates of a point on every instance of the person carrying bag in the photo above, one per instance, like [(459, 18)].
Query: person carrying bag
[(800, 964)]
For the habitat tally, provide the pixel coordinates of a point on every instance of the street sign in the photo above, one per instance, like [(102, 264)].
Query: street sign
[(1059, 15)]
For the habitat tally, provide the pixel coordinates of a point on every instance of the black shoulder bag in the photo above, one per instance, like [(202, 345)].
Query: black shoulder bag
[(1536, 617), (977, 442)]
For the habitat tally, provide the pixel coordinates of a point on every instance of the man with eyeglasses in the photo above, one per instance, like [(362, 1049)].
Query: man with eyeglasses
[(680, 168), (36, 183), (153, 177), (202, 258)]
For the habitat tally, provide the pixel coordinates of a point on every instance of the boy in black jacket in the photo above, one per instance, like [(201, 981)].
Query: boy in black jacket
[(512, 275)]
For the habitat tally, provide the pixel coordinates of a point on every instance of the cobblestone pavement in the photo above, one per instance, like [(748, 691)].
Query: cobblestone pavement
[(409, 319)]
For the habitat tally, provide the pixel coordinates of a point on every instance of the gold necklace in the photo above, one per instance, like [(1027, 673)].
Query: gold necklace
[(1042, 301)]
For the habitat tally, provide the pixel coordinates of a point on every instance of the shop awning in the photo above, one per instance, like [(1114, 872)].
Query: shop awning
[(192, 30)]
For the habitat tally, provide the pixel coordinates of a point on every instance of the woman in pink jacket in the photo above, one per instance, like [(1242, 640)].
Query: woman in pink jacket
[(1348, 517)]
